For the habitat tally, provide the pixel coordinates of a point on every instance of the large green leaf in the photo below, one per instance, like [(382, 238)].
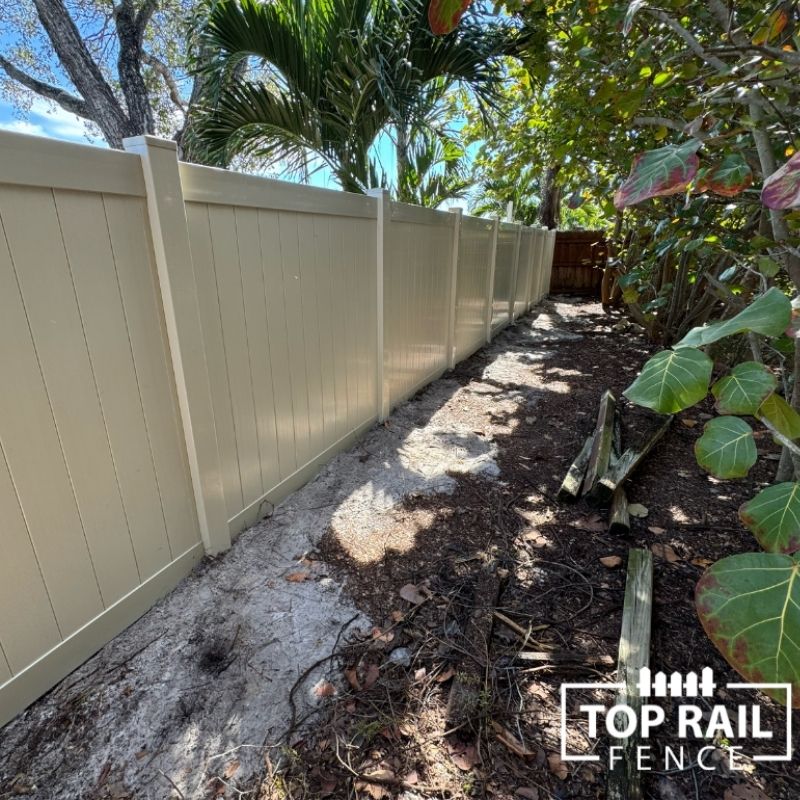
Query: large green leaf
[(672, 380), (773, 516), (782, 188), (728, 178), (745, 389), (781, 416), (444, 15), (659, 173), (749, 605), (727, 448), (769, 315)]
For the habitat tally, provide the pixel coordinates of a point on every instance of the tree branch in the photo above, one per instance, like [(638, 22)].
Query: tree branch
[(691, 42), (162, 69), (69, 102), (672, 124)]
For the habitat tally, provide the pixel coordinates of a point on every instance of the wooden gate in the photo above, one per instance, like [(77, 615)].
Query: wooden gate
[(578, 263)]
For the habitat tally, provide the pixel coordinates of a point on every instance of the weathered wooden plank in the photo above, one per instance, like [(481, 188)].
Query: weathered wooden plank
[(624, 780), (571, 485), (629, 462), (603, 441), (619, 522)]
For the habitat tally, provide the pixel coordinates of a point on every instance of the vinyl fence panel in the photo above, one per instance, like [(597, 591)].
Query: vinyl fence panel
[(96, 505), (474, 261), (504, 274)]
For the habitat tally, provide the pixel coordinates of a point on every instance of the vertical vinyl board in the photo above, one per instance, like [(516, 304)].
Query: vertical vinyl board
[(292, 290), (272, 270), (255, 316), (89, 251), (211, 320), (366, 301), (141, 302), (28, 625), (325, 311), (33, 231), (339, 324), (310, 320), (349, 280), (35, 459), (225, 248)]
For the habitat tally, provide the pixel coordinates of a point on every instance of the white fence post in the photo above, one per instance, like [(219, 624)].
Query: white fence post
[(451, 328), (490, 287), (512, 301), (170, 235), (384, 218)]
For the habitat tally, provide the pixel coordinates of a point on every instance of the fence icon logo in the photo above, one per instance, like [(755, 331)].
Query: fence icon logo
[(627, 715)]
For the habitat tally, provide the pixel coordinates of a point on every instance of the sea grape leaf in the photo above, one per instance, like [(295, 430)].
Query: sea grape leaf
[(730, 177), (767, 266), (769, 315), (444, 15), (749, 605), (782, 188), (773, 516), (775, 24), (727, 448), (672, 380), (658, 173), (744, 389), (781, 416)]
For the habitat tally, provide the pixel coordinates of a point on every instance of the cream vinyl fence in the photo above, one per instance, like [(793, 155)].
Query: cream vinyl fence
[(182, 347)]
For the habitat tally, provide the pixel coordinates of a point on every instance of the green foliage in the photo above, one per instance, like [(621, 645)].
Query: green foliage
[(332, 76), (748, 605), (672, 380), (773, 516), (744, 389), (727, 448), (659, 173), (769, 315)]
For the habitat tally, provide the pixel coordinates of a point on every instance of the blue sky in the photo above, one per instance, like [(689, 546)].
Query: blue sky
[(45, 119)]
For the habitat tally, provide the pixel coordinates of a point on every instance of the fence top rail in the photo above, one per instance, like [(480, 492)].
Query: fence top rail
[(222, 187), (36, 161), (477, 223), (403, 212)]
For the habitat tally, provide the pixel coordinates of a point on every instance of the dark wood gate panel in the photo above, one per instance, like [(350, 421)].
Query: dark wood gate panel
[(578, 262)]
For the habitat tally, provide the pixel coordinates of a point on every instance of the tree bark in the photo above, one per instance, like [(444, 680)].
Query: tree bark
[(550, 208)]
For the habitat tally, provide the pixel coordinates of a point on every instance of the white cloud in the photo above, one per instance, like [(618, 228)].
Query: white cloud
[(60, 124), (21, 126)]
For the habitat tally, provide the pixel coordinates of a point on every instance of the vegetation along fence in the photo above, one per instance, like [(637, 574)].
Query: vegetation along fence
[(182, 347)]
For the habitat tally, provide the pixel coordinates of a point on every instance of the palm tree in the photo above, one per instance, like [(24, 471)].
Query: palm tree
[(326, 77)]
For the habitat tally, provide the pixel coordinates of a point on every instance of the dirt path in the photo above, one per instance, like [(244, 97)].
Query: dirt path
[(192, 700)]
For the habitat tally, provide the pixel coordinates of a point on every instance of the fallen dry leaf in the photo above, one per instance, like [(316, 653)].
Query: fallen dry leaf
[(592, 523), (412, 778), (638, 510), (527, 792), (412, 594), (397, 616), (504, 736), (465, 756), (689, 423), (376, 791), (372, 675), (382, 636), (557, 766), (666, 552), (324, 689), (612, 562), (231, 768), (419, 675), (351, 673), (702, 562), (656, 530), (745, 791), (446, 675), (535, 539), (298, 577)]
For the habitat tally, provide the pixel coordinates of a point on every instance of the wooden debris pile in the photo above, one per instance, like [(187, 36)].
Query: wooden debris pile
[(603, 467)]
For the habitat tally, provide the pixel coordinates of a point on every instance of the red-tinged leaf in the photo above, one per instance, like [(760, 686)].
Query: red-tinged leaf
[(324, 689), (782, 188), (659, 173), (775, 24), (444, 15), (372, 675), (730, 177)]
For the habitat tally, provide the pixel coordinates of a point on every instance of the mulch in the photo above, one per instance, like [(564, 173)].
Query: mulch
[(387, 729)]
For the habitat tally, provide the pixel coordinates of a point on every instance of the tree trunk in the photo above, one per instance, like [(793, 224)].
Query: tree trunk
[(550, 208)]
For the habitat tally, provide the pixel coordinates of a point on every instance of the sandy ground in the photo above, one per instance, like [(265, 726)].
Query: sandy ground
[(194, 695)]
